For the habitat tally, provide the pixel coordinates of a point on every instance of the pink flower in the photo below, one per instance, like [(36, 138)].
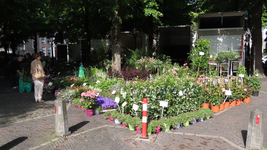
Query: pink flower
[(223, 89), (127, 82), (134, 82), (201, 75), (81, 100), (245, 90), (185, 64), (83, 94), (210, 61)]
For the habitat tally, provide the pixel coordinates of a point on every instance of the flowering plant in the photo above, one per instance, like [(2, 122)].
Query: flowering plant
[(105, 102)]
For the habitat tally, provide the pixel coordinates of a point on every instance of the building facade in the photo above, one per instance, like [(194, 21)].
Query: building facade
[(44, 45)]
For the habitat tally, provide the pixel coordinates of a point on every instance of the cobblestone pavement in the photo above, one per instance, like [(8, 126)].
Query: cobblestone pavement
[(25, 124)]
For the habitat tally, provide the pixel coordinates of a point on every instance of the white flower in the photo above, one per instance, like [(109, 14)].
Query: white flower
[(113, 92), (50, 83), (61, 81), (97, 81)]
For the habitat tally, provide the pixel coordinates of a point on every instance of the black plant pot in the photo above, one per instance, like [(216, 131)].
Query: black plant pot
[(255, 93)]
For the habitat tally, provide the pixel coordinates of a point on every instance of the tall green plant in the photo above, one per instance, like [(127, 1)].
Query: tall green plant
[(200, 62)]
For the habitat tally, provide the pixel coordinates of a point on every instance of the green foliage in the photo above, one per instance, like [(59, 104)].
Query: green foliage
[(254, 82), (201, 61), (134, 55)]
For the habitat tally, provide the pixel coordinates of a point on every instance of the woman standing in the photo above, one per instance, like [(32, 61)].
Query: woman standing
[(37, 67)]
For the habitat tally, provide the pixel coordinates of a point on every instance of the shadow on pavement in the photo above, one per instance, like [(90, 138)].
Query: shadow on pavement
[(13, 143), (16, 106), (78, 126), (244, 135)]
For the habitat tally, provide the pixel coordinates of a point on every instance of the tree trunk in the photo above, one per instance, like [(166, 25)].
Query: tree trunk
[(115, 41), (256, 13)]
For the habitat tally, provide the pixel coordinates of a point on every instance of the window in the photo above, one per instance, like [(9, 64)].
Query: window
[(49, 51), (22, 46), (43, 40), (43, 51), (48, 41)]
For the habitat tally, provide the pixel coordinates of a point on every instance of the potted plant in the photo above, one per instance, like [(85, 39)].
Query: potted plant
[(185, 119), (200, 115), (207, 113), (133, 122), (176, 122), (165, 124), (89, 105), (247, 94), (255, 84)]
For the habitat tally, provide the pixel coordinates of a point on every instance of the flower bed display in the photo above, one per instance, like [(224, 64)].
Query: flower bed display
[(165, 124)]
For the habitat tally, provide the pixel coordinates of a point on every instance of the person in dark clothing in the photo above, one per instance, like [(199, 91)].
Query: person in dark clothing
[(12, 70)]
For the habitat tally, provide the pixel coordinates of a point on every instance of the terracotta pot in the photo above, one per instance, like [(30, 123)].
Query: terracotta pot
[(210, 106), (226, 105), (205, 105), (233, 103), (247, 100), (238, 102), (222, 107), (215, 108)]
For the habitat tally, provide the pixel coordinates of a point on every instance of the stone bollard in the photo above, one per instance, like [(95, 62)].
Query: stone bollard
[(61, 118), (255, 130)]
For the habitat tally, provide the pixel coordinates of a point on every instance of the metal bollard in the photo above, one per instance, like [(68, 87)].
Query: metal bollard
[(61, 118), (255, 130)]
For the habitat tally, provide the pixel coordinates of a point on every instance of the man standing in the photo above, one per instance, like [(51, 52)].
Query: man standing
[(13, 70)]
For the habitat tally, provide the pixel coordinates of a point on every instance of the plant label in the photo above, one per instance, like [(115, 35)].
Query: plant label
[(180, 93), (201, 53), (210, 56), (241, 75), (228, 92), (84, 84), (135, 107), (113, 92), (124, 104), (124, 94), (71, 85), (163, 104), (117, 100), (256, 74), (50, 83)]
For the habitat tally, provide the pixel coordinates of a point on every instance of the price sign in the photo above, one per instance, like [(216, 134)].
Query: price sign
[(124, 104), (241, 75), (228, 92), (135, 107), (50, 83), (117, 100), (180, 93), (163, 104), (256, 74), (113, 92), (201, 53)]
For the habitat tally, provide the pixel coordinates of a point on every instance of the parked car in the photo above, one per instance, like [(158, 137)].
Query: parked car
[(264, 59)]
